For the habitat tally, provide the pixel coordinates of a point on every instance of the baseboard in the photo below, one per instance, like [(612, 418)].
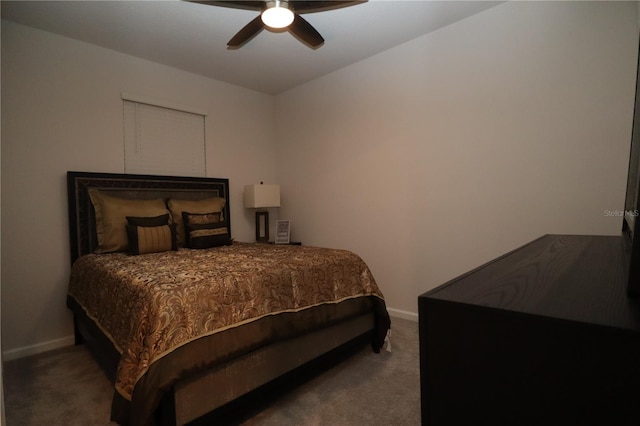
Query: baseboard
[(37, 348), (69, 340), (398, 313)]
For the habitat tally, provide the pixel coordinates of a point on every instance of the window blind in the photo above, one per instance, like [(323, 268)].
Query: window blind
[(163, 141)]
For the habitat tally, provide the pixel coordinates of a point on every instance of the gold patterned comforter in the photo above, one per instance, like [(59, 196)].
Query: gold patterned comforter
[(153, 304)]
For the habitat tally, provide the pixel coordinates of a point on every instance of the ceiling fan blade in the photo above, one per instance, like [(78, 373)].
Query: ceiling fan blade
[(239, 4), (302, 6), (247, 33), (305, 32), (306, 6)]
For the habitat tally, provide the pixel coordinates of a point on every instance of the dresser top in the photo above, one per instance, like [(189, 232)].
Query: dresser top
[(571, 277)]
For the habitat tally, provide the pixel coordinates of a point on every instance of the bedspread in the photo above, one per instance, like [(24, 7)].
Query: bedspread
[(150, 305)]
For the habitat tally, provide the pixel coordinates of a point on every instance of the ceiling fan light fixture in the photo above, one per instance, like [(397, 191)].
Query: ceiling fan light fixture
[(278, 14)]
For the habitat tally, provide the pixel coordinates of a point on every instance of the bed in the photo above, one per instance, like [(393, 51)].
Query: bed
[(182, 318)]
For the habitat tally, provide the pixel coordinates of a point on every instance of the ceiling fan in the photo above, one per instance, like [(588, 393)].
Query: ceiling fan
[(280, 15)]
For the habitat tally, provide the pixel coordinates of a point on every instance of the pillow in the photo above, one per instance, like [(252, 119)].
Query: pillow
[(207, 205), (148, 221), (201, 219), (151, 239), (111, 218), (205, 230)]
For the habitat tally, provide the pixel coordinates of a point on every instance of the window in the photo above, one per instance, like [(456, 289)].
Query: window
[(162, 139)]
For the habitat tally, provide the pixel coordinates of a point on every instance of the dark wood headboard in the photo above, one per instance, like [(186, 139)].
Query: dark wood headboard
[(82, 233)]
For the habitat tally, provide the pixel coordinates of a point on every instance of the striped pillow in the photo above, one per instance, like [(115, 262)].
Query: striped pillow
[(151, 239), (205, 230)]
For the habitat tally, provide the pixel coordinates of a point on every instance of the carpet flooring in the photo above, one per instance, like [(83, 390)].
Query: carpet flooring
[(66, 387)]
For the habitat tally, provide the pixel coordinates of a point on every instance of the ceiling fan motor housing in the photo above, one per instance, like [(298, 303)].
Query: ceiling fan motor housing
[(278, 14)]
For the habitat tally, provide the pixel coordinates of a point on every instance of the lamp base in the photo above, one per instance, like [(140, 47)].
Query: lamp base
[(262, 227)]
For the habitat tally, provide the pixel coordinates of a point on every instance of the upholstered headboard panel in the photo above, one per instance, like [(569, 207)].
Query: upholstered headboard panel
[(82, 232)]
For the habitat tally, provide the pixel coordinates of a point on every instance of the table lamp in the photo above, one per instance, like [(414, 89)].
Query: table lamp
[(262, 197)]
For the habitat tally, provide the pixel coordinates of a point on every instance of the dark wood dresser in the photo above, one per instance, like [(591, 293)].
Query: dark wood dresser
[(544, 335)]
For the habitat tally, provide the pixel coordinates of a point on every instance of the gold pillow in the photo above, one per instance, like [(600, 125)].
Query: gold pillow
[(111, 218), (207, 205)]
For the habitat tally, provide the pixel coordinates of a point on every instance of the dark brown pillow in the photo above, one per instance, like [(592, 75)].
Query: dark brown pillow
[(148, 221), (205, 230)]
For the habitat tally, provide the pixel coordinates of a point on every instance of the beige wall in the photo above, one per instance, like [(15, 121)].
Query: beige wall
[(438, 155), (427, 160), (62, 110)]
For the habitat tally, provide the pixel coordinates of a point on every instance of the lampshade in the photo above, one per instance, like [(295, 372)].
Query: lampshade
[(277, 14), (261, 196)]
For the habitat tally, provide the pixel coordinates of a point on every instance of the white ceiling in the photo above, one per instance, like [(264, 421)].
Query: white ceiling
[(193, 37)]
